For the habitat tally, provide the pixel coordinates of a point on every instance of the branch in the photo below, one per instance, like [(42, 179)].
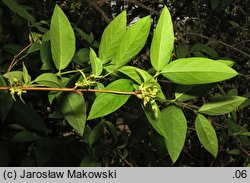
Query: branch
[(94, 4), (14, 60), (138, 3), (220, 42), (80, 90)]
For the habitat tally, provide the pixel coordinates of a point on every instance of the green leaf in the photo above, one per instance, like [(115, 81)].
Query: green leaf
[(138, 75), (89, 38), (133, 41), (181, 51), (49, 80), (96, 133), (229, 63), (221, 105), (62, 39), (26, 76), (237, 129), (205, 49), (175, 127), (163, 41), (34, 47), (81, 56), (18, 9), (197, 71), (24, 136), (154, 121), (45, 53), (73, 107), (206, 134), (96, 63), (111, 37), (107, 103), (113, 130), (14, 75), (188, 92)]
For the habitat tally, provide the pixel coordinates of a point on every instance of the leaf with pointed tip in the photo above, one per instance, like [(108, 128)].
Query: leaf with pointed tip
[(175, 127), (163, 41), (197, 70), (26, 76), (96, 63), (206, 134), (106, 103), (133, 41), (221, 105), (111, 37), (62, 39)]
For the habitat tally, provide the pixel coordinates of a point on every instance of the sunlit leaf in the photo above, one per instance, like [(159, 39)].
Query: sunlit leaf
[(133, 41), (197, 71), (107, 103), (111, 37), (62, 39), (221, 105), (175, 127), (163, 41), (96, 63)]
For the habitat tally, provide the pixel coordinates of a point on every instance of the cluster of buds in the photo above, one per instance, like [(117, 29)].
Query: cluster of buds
[(16, 87), (148, 92), (85, 83)]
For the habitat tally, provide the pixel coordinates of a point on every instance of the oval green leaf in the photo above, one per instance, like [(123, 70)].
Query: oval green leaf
[(221, 105), (112, 36), (206, 134), (73, 107), (107, 103), (197, 71), (163, 41), (175, 127), (62, 39), (133, 41)]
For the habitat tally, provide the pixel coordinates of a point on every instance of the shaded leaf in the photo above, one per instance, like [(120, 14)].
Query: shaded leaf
[(188, 92), (206, 134), (24, 136), (73, 107), (205, 49), (138, 75), (18, 9), (96, 133)]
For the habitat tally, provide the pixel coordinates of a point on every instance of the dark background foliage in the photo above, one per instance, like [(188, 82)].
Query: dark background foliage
[(130, 141)]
